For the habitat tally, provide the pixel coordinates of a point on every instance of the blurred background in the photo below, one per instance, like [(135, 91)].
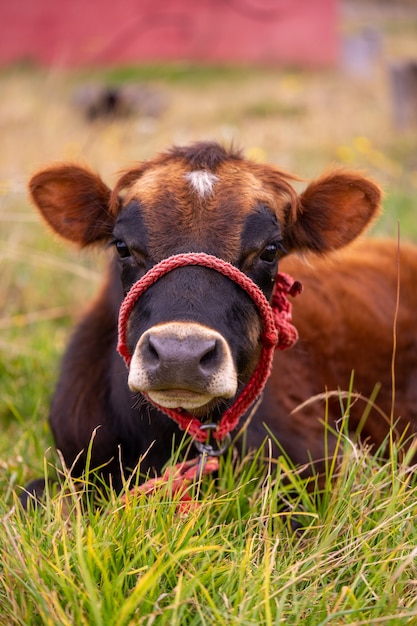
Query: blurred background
[(304, 84)]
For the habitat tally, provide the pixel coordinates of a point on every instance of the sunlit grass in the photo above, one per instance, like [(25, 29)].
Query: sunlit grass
[(234, 559)]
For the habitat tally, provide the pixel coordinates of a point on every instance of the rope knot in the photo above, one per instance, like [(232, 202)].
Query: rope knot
[(282, 309), (270, 340)]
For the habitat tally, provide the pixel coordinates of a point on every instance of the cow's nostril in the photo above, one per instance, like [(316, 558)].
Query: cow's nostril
[(151, 349), (210, 358), (151, 353)]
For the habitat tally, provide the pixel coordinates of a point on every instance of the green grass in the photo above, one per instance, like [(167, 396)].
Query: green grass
[(399, 210), (232, 560), (174, 73)]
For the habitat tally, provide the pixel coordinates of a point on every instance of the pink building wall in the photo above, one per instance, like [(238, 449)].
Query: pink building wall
[(96, 32)]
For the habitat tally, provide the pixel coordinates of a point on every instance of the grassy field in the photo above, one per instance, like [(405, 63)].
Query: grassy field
[(235, 559)]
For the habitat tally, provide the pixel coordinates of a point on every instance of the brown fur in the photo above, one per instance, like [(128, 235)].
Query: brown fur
[(346, 321)]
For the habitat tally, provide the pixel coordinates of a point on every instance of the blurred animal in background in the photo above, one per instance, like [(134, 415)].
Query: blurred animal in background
[(108, 102)]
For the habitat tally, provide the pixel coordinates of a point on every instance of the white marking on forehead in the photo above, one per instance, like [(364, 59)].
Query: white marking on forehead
[(202, 182)]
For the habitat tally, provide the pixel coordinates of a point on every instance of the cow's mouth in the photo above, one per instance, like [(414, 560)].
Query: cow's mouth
[(198, 403)]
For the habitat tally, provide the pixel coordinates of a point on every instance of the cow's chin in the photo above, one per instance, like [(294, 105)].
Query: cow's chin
[(197, 403)]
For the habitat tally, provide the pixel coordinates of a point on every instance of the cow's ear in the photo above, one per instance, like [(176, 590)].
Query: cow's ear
[(75, 203), (331, 212)]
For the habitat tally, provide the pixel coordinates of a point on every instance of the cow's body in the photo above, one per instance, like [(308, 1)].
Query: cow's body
[(346, 321), (204, 199)]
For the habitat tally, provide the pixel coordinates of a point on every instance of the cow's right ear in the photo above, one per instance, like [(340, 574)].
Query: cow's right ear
[(75, 203)]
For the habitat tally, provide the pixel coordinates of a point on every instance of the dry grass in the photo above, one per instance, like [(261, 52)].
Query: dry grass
[(293, 118)]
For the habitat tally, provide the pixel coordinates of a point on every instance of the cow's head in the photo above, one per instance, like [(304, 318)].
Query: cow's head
[(195, 335)]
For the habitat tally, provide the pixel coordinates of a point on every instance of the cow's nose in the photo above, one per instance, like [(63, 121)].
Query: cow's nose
[(191, 356), (183, 364)]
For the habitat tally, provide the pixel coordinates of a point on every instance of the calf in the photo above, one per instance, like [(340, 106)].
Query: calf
[(194, 336)]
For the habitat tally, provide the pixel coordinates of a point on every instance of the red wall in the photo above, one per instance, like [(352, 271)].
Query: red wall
[(95, 32)]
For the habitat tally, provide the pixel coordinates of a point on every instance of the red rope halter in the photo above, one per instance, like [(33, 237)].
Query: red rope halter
[(278, 333)]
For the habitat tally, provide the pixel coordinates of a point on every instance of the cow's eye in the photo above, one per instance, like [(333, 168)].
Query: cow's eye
[(269, 253), (122, 249)]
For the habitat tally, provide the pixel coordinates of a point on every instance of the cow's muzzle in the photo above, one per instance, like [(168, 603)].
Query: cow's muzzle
[(181, 364)]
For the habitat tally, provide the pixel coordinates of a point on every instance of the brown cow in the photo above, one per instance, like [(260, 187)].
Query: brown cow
[(195, 334)]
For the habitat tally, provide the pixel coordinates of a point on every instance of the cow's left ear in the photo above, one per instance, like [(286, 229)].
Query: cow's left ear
[(75, 202), (331, 212)]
